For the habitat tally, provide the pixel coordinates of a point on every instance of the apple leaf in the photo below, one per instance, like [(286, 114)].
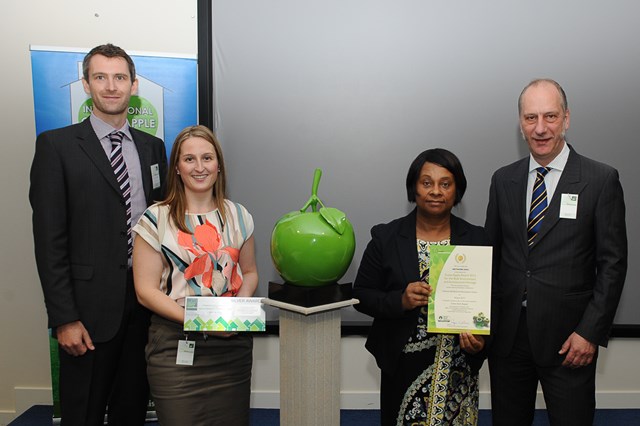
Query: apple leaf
[(335, 218)]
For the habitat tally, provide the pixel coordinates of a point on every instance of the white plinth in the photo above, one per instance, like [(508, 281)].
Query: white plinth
[(310, 363)]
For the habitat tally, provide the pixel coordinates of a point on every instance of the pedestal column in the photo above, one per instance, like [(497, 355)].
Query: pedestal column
[(310, 363)]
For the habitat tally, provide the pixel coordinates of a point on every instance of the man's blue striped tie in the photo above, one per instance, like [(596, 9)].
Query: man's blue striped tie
[(538, 204), (120, 169)]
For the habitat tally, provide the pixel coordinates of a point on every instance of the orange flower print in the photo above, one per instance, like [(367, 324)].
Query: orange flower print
[(217, 265)]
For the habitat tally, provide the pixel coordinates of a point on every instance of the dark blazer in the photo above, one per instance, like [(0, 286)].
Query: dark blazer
[(575, 270), (79, 225), (389, 264)]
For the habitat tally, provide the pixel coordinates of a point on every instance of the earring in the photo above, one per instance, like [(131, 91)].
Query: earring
[(177, 172)]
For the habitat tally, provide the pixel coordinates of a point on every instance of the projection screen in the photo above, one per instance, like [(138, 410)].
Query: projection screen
[(359, 87)]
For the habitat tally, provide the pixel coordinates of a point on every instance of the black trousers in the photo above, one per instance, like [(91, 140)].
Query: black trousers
[(569, 394), (113, 375)]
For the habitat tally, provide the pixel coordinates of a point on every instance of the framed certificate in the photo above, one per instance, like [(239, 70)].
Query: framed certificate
[(224, 314), (460, 279)]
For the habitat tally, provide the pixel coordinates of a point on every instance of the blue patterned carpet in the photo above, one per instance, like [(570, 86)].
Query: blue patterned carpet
[(261, 417), (40, 415)]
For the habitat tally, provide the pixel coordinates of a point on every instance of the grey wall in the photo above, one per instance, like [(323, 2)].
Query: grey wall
[(360, 87)]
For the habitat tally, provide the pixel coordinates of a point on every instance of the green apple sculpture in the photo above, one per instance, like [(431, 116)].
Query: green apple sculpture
[(313, 249)]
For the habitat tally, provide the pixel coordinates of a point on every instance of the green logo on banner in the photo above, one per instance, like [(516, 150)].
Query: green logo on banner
[(141, 114)]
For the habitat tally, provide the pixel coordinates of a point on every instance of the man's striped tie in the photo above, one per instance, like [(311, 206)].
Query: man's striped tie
[(120, 170), (538, 204)]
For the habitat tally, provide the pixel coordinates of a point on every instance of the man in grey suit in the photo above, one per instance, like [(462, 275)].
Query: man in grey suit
[(89, 183), (557, 222)]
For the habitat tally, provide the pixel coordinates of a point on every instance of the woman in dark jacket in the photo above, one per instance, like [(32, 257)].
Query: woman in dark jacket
[(427, 379)]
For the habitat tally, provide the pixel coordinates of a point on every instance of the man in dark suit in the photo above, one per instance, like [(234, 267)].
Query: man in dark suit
[(82, 213), (562, 265)]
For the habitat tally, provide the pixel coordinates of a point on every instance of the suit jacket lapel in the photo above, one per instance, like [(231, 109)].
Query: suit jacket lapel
[(569, 183), (89, 143), (516, 190), (407, 249)]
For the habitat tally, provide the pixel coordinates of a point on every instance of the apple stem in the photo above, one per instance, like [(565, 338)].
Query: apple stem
[(316, 182), (314, 200)]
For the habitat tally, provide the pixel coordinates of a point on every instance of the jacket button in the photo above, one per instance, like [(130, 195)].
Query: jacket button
[(528, 274)]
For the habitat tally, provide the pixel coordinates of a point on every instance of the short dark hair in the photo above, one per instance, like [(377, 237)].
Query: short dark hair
[(442, 158), (110, 51)]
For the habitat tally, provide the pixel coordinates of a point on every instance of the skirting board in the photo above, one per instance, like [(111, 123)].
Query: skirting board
[(371, 400), (25, 398)]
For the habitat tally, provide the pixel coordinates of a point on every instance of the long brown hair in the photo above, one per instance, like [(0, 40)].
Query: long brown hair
[(176, 199)]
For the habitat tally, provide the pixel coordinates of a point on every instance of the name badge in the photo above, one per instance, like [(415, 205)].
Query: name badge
[(569, 206), (155, 176), (186, 350)]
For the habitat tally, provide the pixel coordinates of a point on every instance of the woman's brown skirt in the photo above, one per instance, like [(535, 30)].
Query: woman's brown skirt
[(215, 390)]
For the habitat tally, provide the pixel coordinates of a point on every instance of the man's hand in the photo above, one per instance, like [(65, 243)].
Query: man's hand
[(580, 351), (74, 338)]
